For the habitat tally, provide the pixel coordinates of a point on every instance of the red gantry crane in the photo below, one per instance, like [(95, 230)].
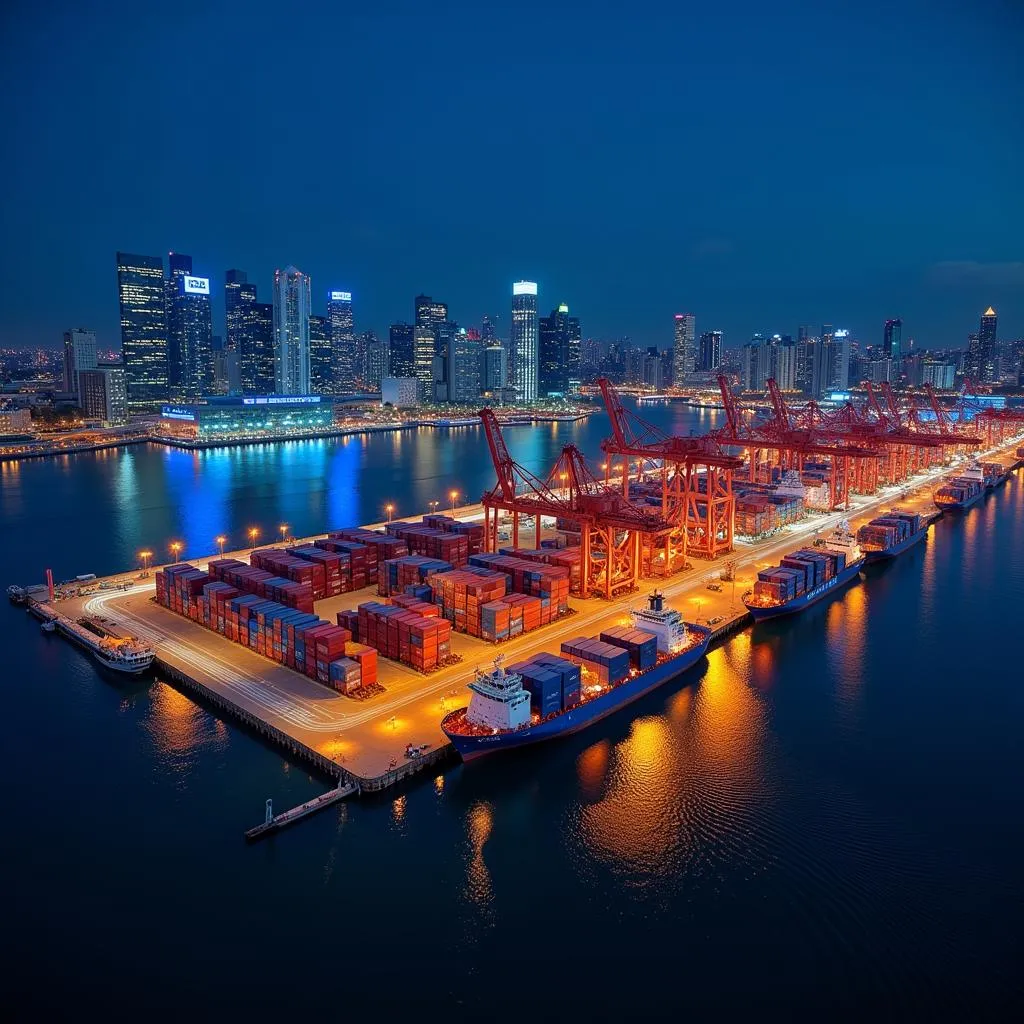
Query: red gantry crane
[(695, 474), (612, 531)]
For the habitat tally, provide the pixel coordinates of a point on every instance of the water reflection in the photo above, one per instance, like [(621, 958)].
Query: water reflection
[(479, 823)]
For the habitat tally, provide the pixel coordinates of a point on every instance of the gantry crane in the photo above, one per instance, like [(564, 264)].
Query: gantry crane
[(612, 531), (696, 482)]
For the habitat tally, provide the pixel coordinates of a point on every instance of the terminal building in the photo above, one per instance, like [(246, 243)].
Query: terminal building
[(249, 416)]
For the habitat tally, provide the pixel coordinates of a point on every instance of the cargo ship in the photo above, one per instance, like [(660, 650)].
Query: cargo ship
[(550, 696), (890, 535), (123, 654), (995, 474), (806, 576), (962, 491)]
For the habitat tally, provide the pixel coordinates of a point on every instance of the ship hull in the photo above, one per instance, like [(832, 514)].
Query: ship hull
[(960, 506), (470, 748), (804, 601), (896, 549)]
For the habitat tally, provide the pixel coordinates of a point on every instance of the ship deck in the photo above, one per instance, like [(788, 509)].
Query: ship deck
[(365, 741)]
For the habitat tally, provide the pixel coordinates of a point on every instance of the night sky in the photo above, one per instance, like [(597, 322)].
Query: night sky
[(760, 164)]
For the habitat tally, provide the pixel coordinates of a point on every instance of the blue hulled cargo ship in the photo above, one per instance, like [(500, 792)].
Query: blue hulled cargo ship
[(806, 576), (890, 535), (963, 491), (551, 696)]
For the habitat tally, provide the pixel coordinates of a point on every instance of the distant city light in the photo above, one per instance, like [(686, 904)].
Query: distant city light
[(524, 288)]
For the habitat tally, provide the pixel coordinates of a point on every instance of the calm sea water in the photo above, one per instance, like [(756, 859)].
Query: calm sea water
[(827, 821)]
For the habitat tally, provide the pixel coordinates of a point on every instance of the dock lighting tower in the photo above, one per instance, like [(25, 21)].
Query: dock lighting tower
[(433, 505), (220, 544), (253, 534), (453, 495), (389, 508), (284, 531), (145, 556), (176, 549)]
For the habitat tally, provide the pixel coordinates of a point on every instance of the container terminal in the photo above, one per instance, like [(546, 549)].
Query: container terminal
[(610, 539)]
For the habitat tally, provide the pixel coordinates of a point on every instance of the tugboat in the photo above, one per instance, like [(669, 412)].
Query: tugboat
[(552, 696)]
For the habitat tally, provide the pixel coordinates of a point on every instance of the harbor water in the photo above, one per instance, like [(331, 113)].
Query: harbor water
[(825, 821)]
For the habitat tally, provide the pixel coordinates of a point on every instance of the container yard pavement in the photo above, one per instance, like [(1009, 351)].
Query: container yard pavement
[(368, 738)]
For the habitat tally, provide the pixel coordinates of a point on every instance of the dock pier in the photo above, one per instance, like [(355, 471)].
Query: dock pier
[(276, 822)]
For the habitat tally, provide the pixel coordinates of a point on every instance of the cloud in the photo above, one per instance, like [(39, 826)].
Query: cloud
[(970, 272), (711, 247)]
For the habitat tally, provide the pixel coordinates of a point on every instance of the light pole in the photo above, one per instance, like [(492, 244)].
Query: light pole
[(389, 508), (433, 505), (220, 544), (145, 556), (176, 549), (453, 495), (284, 532), (253, 534)]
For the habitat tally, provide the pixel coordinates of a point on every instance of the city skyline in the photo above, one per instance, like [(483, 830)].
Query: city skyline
[(784, 226)]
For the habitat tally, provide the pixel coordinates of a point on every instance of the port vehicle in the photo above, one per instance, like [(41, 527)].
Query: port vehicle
[(806, 576), (716, 620), (553, 696), (962, 491), (890, 535), (715, 586)]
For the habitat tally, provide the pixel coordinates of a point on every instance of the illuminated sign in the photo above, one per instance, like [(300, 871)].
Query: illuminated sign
[(178, 412), (197, 285), (282, 400), (841, 334), (524, 288), (563, 308), (341, 296)]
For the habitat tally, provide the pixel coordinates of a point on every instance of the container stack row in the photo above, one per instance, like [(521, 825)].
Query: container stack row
[(533, 578), (423, 642), (291, 637), (263, 583), (609, 663), (553, 683), (394, 575), (378, 547), (799, 573), (423, 540), (887, 531)]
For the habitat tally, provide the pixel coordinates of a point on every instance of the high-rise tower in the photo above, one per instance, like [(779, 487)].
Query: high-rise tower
[(523, 343), (291, 331), (683, 352), (343, 342), (140, 285)]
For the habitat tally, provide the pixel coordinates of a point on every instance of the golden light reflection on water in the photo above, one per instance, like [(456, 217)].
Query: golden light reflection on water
[(681, 778), (479, 823), (175, 722), (846, 627)]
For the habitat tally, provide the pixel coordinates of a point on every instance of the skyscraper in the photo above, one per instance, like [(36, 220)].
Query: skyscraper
[(256, 357), (79, 354), (140, 285), (343, 342), (494, 368), (892, 343), (683, 354), (430, 313), (102, 394), (321, 370), (785, 365), (487, 333), (839, 379), (986, 369), (463, 368), (291, 331), (424, 343), (375, 357), (400, 351), (559, 350), (190, 329), (755, 364), (524, 341), (238, 293), (710, 352)]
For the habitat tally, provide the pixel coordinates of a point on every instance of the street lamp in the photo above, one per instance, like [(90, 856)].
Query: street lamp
[(253, 534), (284, 531), (433, 505), (453, 495), (389, 508), (145, 556), (220, 543), (176, 549)]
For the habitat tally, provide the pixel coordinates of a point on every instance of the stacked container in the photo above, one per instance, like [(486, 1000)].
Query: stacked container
[(641, 646), (461, 596), (420, 641), (533, 578), (396, 574), (609, 663)]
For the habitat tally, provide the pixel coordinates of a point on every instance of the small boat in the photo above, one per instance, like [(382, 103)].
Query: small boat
[(48, 626)]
